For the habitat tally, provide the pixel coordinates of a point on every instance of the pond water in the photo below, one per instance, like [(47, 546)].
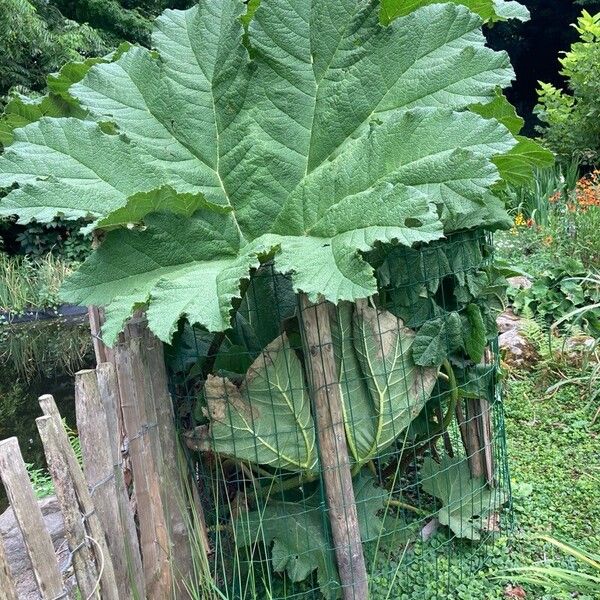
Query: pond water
[(39, 357)]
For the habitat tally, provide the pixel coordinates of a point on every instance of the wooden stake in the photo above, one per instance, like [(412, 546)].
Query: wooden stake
[(471, 437), (108, 388), (154, 536), (485, 434), (335, 463), (96, 531), (101, 472), (160, 409), (79, 545), (30, 521), (8, 591)]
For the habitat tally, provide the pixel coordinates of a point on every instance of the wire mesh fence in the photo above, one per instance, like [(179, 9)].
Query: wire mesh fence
[(314, 427)]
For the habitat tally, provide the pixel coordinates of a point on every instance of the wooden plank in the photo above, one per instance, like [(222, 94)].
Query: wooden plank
[(154, 537), (174, 484), (8, 591), (101, 473), (333, 451), (84, 566), (108, 388), (30, 521), (96, 531)]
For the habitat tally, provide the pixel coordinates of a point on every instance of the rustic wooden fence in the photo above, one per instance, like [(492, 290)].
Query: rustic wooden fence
[(125, 508)]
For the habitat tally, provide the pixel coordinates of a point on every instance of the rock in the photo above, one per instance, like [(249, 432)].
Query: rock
[(18, 560), (516, 349), (520, 282), (579, 345), (507, 321)]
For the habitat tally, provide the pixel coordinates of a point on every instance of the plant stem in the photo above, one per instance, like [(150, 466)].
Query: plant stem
[(400, 504), (286, 484)]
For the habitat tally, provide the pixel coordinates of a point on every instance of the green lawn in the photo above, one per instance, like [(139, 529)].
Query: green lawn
[(554, 459)]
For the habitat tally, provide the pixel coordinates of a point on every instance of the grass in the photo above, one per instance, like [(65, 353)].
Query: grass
[(554, 453), (28, 283)]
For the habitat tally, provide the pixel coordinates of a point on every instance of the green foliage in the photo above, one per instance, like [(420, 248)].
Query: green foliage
[(466, 501), (561, 578), (489, 10), (267, 420), (38, 36), (437, 338), (554, 477), (29, 284), (40, 480), (303, 204), (561, 287), (298, 540), (448, 291), (571, 119), (36, 39)]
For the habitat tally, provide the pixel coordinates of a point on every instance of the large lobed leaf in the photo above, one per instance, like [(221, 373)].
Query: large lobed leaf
[(267, 420), (383, 389), (332, 133), (466, 501), (297, 537)]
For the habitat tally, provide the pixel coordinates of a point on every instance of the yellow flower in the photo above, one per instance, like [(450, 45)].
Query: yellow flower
[(519, 220)]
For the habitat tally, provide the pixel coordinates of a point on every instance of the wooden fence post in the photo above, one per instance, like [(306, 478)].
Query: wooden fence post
[(101, 473), (96, 531), (7, 586), (102, 352), (108, 387), (29, 518), (79, 545), (154, 537), (333, 451), (173, 482)]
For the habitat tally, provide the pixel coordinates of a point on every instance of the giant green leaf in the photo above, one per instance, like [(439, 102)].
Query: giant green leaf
[(333, 134), (57, 161), (466, 501), (267, 420), (298, 542), (519, 163), (299, 536), (382, 388)]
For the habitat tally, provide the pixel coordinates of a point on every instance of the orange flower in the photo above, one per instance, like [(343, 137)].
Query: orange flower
[(548, 240), (554, 198)]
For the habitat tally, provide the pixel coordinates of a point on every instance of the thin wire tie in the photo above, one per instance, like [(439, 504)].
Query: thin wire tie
[(70, 559), (86, 516), (143, 431), (93, 488)]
